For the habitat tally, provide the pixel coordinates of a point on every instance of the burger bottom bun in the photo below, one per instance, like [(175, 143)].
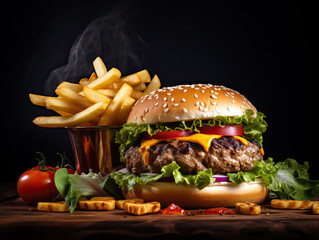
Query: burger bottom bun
[(216, 195)]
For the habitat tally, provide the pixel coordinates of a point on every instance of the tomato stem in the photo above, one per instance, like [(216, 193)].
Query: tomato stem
[(64, 161), (41, 163)]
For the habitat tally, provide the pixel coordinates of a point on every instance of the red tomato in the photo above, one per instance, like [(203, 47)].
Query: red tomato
[(230, 130), (173, 209), (70, 170), (37, 186), (170, 134)]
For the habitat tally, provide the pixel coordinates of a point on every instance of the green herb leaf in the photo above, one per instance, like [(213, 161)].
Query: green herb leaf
[(286, 179), (126, 181), (132, 133)]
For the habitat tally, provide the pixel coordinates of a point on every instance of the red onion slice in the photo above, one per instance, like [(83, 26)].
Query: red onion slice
[(220, 178)]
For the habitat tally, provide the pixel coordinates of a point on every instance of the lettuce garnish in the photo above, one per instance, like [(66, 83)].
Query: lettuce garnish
[(131, 133)]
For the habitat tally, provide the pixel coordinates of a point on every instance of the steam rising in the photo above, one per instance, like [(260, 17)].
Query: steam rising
[(104, 37)]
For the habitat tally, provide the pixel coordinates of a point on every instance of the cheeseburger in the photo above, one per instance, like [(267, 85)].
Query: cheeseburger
[(181, 144)]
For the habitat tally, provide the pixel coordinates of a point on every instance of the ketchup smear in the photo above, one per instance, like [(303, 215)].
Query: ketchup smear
[(173, 209), (218, 211)]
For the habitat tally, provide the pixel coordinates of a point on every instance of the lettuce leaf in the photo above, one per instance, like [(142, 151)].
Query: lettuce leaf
[(132, 133), (73, 186), (286, 179), (126, 181)]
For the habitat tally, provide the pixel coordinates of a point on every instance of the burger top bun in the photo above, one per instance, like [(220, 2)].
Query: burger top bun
[(187, 102)]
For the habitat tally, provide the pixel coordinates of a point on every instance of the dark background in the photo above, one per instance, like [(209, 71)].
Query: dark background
[(260, 49)]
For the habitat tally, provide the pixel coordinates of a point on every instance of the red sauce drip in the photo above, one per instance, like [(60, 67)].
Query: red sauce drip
[(173, 209), (218, 211)]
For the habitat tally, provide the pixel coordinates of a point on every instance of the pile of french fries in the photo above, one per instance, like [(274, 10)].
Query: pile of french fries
[(103, 99)]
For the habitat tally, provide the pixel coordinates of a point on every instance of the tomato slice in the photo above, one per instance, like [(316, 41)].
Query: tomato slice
[(170, 134), (228, 130)]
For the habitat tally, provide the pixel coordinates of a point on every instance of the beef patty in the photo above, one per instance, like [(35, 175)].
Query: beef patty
[(225, 155)]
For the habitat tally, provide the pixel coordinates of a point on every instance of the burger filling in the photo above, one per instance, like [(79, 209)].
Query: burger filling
[(226, 154)]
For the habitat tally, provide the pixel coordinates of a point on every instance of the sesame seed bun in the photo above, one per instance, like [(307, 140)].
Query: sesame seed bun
[(225, 194), (186, 102)]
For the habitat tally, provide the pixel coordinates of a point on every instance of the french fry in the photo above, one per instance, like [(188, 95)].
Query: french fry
[(111, 112), (53, 206), (109, 78), (108, 92), (142, 208), (84, 81), (248, 208), (291, 204), (125, 110), (99, 67), (153, 85), (101, 198), (95, 96), (144, 76), (97, 205), (92, 77), (73, 86), (315, 207), (75, 101), (59, 104), (37, 99), (73, 97), (139, 87), (74, 120), (136, 94), (132, 79), (120, 203)]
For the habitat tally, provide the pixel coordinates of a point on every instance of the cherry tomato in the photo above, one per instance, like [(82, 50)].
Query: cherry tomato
[(37, 185), (170, 134), (230, 130), (70, 170)]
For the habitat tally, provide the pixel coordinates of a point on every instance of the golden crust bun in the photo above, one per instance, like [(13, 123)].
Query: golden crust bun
[(215, 195), (186, 102)]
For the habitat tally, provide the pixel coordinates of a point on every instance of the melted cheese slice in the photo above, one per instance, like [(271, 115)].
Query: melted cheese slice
[(204, 140)]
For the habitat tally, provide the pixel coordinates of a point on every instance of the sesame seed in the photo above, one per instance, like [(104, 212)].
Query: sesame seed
[(202, 104), (172, 99), (169, 94), (156, 104), (201, 108), (214, 103), (176, 105), (195, 95), (213, 96), (203, 91), (196, 88), (146, 110), (183, 100), (184, 110), (165, 105), (197, 103), (166, 110), (165, 99), (185, 90), (233, 101)]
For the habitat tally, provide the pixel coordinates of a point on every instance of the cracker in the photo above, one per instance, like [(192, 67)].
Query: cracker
[(53, 206), (142, 208), (291, 204), (248, 208), (93, 205), (315, 208), (120, 203)]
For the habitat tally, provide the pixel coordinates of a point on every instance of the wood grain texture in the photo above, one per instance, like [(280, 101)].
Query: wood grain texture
[(20, 220)]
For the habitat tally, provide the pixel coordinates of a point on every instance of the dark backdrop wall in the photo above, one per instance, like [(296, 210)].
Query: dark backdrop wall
[(257, 48)]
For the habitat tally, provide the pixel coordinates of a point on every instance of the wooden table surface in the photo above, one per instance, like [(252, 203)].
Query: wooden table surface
[(18, 219)]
